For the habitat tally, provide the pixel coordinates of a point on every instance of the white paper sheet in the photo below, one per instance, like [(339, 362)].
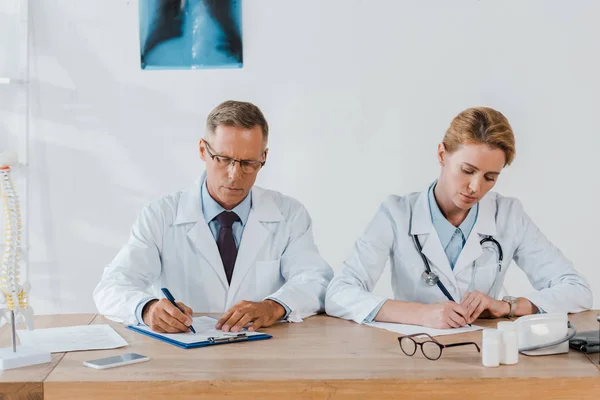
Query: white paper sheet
[(72, 338), (204, 327), (412, 329)]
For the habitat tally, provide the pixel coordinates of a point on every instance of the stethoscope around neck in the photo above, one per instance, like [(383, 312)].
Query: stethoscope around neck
[(432, 279)]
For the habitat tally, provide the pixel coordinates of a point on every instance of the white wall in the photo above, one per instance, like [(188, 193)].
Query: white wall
[(358, 94)]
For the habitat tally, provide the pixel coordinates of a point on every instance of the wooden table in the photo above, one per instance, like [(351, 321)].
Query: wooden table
[(27, 382), (322, 357)]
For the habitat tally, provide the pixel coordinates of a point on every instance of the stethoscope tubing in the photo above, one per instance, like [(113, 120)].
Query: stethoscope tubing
[(433, 279)]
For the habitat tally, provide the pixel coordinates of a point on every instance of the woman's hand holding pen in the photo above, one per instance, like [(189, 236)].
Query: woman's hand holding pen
[(444, 315), (162, 316)]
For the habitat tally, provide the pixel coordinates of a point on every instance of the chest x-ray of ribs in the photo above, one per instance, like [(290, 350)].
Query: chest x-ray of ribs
[(212, 22)]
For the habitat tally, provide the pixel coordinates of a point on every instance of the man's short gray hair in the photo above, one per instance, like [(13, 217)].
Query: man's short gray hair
[(239, 114)]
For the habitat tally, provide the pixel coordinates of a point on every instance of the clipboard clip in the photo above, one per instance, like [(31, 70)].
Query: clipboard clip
[(240, 337)]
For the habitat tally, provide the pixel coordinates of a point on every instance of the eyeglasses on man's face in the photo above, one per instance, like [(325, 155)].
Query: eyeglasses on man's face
[(247, 166), (431, 348)]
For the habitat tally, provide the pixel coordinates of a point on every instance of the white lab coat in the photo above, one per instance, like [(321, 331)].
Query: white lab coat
[(559, 287), (171, 246)]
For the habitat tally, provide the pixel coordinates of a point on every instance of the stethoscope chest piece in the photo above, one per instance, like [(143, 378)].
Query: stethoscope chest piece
[(430, 278)]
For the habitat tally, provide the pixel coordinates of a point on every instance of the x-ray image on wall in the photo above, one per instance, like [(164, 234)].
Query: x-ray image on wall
[(189, 34)]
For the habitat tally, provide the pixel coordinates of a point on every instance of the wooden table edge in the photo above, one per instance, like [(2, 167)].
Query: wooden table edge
[(516, 388)]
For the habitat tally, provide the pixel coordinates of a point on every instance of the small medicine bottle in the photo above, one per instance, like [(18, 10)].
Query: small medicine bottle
[(509, 343), (490, 348)]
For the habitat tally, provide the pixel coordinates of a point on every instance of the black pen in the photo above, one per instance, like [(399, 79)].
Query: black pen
[(170, 297), (448, 295)]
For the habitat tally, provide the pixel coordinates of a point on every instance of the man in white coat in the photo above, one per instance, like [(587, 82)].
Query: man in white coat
[(223, 245)]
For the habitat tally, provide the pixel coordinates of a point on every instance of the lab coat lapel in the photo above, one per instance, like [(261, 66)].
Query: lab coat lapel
[(190, 211), (422, 226), (255, 235), (485, 226), (470, 252)]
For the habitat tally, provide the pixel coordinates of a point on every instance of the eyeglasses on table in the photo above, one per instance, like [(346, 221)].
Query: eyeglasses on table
[(431, 348)]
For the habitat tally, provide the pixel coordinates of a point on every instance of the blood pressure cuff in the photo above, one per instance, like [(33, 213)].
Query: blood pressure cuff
[(586, 342)]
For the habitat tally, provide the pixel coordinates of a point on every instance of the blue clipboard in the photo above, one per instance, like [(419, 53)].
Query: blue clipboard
[(241, 337)]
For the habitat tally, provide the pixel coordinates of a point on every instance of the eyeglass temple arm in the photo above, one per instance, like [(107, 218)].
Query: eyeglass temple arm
[(462, 344)]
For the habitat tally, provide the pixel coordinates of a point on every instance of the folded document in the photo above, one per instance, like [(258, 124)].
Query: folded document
[(72, 338)]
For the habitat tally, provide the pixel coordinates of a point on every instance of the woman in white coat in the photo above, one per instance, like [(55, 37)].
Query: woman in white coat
[(450, 246)]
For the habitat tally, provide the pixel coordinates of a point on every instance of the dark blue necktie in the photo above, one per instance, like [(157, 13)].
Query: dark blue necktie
[(226, 243)]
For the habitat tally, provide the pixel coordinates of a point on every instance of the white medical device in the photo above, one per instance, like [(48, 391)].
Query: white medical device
[(542, 334)]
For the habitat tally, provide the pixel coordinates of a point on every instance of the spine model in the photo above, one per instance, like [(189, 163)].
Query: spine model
[(14, 293)]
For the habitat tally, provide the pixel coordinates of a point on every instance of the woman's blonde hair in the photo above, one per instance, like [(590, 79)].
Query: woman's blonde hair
[(481, 125)]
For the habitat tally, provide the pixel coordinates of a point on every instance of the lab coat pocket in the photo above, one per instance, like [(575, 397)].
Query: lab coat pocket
[(268, 277), (484, 273)]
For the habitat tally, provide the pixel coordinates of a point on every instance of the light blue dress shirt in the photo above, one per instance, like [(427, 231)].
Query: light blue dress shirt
[(453, 239), (210, 210)]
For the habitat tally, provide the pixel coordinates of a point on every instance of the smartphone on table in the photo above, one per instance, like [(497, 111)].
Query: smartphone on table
[(116, 361)]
